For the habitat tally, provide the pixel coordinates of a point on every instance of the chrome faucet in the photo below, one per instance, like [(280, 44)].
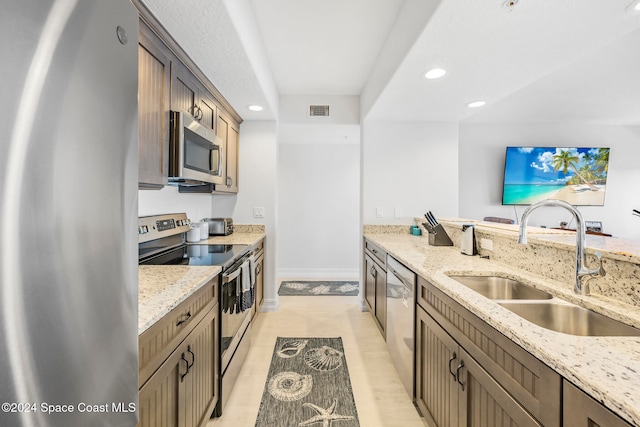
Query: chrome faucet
[(581, 254)]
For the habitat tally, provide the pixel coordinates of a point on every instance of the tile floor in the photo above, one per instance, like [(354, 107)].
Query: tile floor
[(380, 397)]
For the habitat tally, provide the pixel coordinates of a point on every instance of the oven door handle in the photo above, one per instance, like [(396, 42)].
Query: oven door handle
[(227, 277)]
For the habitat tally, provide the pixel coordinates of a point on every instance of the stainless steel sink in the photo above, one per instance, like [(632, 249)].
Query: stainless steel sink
[(570, 319), (501, 288)]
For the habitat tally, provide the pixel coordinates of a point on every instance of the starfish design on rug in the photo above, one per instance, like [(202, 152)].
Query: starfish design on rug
[(325, 416)]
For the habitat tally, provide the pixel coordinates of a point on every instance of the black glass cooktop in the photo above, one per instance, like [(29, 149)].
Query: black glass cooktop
[(222, 255)]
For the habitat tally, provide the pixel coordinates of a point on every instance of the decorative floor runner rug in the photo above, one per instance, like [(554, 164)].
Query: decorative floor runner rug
[(308, 384), (308, 287)]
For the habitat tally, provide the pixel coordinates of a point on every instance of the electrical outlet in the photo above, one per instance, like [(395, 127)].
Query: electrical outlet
[(397, 213), (258, 212), (486, 244), (379, 212)]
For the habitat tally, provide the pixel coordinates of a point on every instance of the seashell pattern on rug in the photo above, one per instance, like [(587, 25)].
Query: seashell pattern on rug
[(296, 285), (323, 358), (291, 348), (290, 386)]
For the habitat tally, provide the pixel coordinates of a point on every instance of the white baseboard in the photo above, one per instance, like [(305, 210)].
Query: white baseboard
[(270, 305)]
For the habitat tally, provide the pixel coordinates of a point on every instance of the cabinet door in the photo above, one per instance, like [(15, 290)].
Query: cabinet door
[(154, 85), (208, 110), (370, 284), (437, 358), (184, 90), (580, 410), (222, 131), (162, 397), (259, 272), (381, 297), (201, 381), (484, 403), (232, 159), (184, 390)]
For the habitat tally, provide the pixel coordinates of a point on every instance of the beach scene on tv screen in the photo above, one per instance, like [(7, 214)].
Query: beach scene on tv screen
[(575, 175)]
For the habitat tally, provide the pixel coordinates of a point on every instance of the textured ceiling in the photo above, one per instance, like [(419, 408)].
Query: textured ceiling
[(546, 60), (323, 47)]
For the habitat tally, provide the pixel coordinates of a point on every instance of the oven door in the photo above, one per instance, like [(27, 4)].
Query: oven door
[(196, 152), (236, 303)]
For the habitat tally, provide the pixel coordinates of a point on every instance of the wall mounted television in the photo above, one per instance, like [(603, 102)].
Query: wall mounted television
[(575, 175)]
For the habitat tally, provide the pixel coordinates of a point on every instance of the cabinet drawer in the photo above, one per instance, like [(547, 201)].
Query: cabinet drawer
[(532, 383), (156, 343), (258, 248), (376, 253)]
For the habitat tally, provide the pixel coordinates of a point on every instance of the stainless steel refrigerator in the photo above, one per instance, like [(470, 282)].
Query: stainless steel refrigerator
[(68, 213)]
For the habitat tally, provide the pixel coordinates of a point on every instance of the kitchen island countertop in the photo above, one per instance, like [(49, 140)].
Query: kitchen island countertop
[(606, 368)]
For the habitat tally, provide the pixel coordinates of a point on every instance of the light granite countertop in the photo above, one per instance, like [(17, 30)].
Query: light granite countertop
[(163, 287), (607, 368)]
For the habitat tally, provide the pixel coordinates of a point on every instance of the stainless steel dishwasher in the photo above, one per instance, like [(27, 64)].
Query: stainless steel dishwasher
[(401, 284)]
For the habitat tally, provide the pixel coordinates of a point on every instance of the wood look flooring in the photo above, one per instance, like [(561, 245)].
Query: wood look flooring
[(380, 398)]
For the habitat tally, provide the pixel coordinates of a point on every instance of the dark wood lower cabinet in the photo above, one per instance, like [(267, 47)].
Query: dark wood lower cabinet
[(580, 410), (375, 284), (184, 390), (452, 389)]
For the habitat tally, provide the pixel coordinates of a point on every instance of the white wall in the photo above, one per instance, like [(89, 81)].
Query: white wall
[(168, 200), (409, 165), (482, 150), (319, 187), (318, 210)]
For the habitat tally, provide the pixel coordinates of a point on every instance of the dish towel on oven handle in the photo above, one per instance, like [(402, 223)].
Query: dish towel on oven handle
[(248, 284)]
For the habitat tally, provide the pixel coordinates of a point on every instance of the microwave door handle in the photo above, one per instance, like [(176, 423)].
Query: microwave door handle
[(212, 159)]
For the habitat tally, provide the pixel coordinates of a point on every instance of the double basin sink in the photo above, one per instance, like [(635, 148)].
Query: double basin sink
[(542, 309)]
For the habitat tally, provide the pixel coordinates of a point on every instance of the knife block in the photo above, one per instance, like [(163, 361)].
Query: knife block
[(437, 235)]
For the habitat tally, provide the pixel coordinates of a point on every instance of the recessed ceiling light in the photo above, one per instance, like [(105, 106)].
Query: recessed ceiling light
[(476, 104), (255, 107), (637, 6), (435, 73)]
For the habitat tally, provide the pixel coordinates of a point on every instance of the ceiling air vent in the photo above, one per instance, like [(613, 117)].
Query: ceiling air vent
[(319, 110)]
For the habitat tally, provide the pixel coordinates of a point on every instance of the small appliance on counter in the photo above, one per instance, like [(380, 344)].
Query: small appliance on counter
[(219, 226), (437, 235), (468, 240)]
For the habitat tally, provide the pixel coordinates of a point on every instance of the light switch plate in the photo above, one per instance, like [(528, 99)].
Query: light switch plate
[(397, 213), (258, 212), (379, 212)]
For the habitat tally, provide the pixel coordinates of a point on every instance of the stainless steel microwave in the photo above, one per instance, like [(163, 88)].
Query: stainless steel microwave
[(196, 152)]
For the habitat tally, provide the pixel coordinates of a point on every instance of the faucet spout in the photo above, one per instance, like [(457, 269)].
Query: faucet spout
[(581, 255)]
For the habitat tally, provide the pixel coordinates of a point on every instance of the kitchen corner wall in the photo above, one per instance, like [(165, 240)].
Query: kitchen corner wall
[(482, 151), (258, 187), (318, 188), (409, 165)]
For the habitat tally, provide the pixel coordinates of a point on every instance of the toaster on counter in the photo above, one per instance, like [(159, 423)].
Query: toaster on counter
[(219, 226)]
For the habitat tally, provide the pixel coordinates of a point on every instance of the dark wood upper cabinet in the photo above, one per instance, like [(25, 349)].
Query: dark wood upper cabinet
[(154, 65)]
